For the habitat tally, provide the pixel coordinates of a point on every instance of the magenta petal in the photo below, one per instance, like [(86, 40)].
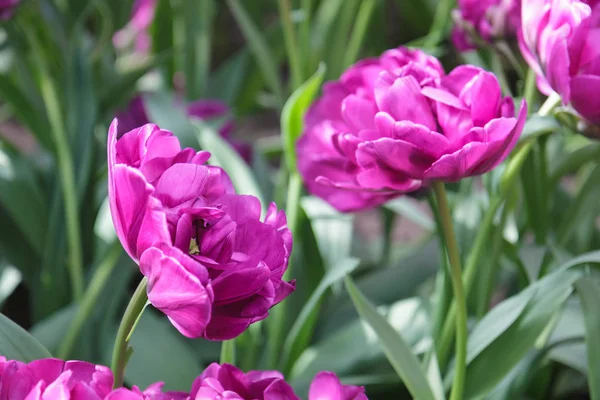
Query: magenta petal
[(180, 183), (557, 71), (402, 99), (485, 98), (176, 291), (240, 282), (129, 196), (325, 385), (225, 328), (395, 155), (358, 112), (585, 90)]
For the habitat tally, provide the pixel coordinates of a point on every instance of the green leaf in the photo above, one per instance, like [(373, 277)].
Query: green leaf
[(300, 333), (259, 47), (197, 21), (30, 116), (223, 155), (409, 209), (332, 229), (52, 329), (538, 125), (160, 354), (228, 352), (21, 197), (293, 112), (435, 378), (17, 344), (488, 365), (10, 277), (589, 292), (359, 30), (397, 351), (162, 34)]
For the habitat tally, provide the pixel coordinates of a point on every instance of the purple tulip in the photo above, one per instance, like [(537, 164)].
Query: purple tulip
[(560, 42), (327, 386), (213, 266), (137, 30), (227, 381), (393, 124), (135, 115), (50, 379), (7, 8), (488, 19)]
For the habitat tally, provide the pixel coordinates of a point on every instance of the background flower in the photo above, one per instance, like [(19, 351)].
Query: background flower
[(391, 125), (213, 266), (560, 42), (489, 19), (53, 379)]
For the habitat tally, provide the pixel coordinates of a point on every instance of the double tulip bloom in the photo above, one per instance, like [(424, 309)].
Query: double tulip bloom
[(213, 266), (52, 379), (488, 19), (560, 42), (392, 124)]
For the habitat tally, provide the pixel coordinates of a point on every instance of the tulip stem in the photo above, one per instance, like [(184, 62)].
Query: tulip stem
[(457, 284), (228, 352), (89, 299), (291, 46), (121, 350)]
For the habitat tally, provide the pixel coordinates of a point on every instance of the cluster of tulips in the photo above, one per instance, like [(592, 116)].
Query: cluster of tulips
[(214, 261)]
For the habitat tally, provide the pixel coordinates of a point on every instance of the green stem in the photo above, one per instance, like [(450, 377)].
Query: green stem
[(276, 323), (459, 295), (121, 350), (305, 36), (228, 352), (388, 218), (67, 173), (285, 13), (86, 306), (440, 20), (530, 92)]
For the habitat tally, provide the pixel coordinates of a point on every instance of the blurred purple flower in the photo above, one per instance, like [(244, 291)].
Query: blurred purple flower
[(213, 266), (561, 42), (7, 8), (137, 30), (227, 381), (135, 115), (489, 19), (393, 124), (53, 379)]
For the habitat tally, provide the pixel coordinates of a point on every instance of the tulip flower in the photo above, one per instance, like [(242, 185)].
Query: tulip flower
[(488, 19), (135, 115), (7, 8), (137, 30), (559, 42), (227, 381), (53, 379), (391, 125), (213, 267)]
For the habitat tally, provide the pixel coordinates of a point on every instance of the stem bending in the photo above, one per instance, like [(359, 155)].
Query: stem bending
[(122, 351)]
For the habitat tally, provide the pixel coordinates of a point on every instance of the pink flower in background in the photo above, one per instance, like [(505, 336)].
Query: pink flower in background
[(227, 381), (53, 379), (213, 266), (135, 115), (561, 42), (393, 124), (327, 386), (489, 19), (7, 8), (137, 30)]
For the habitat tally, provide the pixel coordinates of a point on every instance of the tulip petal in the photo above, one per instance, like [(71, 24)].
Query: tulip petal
[(402, 99), (358, 112), (325, 385), (585, 98), (129, 197), (176, 291)]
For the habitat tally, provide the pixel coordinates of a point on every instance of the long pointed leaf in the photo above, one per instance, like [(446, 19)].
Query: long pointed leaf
[(399, 354), (17, 344), (589, 292)]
